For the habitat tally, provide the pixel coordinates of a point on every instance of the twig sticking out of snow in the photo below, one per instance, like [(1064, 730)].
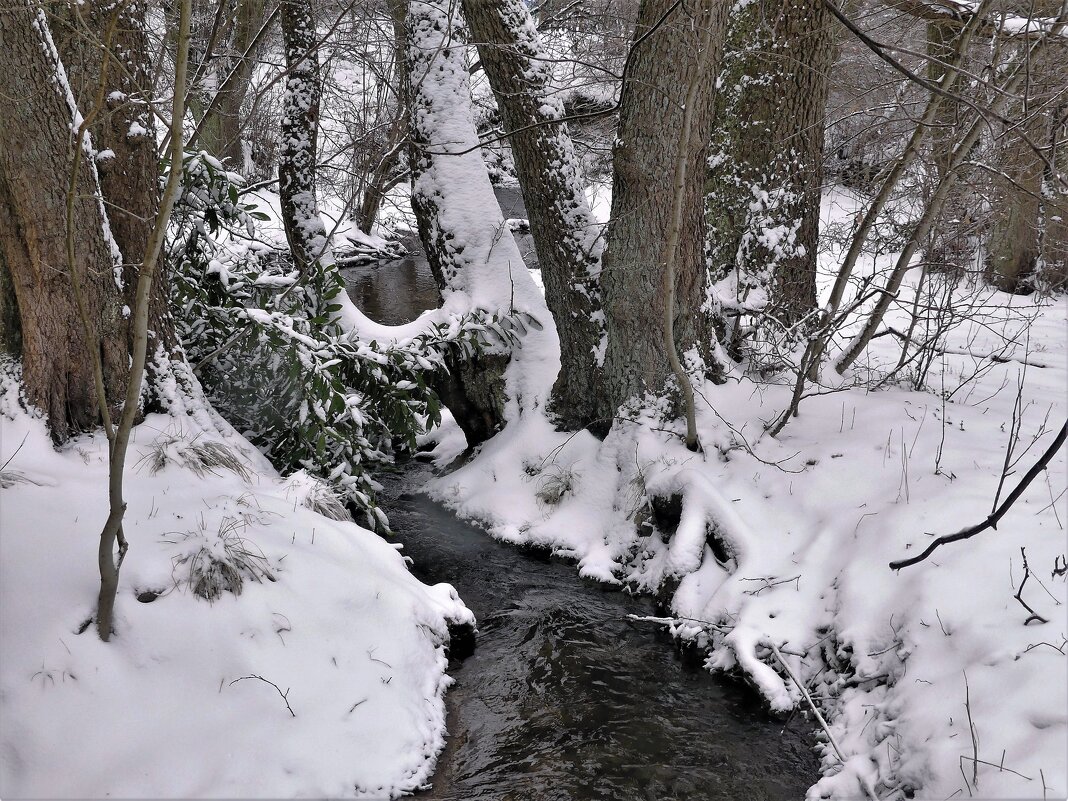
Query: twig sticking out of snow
[(1019, 592), (285, 695), (811, 703)]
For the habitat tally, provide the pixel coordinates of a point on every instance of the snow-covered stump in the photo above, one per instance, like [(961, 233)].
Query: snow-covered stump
[(471, 251)]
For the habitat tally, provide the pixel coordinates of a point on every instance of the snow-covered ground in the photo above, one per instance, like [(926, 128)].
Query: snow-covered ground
[(776, 542), (179, 703), (933, 684)]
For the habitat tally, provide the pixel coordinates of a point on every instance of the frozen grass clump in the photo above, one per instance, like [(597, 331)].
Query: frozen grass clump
[(200, 456), (222, 563), (313, 493), (554, 484)]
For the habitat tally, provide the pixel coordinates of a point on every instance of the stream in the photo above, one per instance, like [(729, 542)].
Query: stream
[(565, 698)]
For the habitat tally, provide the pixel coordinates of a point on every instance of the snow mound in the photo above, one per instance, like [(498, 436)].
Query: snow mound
[(323, 677)]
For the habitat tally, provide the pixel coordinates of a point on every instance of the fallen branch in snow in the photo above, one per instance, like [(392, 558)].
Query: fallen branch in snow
[(1019, 593), (1058, 648), (285, 695), (995, 517), (823, 723)]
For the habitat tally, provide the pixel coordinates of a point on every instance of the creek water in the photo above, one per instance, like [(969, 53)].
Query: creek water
[(565, 697), (394, 292)]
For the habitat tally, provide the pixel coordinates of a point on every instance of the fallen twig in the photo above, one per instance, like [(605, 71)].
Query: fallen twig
[(285, 695), (995, 517)]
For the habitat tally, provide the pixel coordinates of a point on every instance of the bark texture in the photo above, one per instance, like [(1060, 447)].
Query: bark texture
[(566, 234), (224, 124), (304, 227), (36, 154), (644, 161), (1029, 203), (767, 154), (124, 132)]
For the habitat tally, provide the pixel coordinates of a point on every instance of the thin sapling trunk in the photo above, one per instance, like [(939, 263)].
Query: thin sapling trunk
[(112, 531)]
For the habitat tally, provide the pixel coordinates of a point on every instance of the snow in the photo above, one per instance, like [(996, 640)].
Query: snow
[(164, 710), (787, 541)]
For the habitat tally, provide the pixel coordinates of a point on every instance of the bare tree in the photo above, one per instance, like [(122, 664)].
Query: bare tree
[(65, 265)]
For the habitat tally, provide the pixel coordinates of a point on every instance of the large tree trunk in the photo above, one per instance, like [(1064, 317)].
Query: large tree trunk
[(1021, 213), (224, 125), (124, 128), (643, 193), (764, 185), (1013, 247), (566, 234), (1053, 253), (36, 155)]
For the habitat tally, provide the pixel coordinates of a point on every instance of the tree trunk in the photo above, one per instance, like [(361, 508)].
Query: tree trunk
[(224, 124), (126, 130), (1020, 213), (304, 227), (644, 160), (1053, 253), (474, 258), (1013, 247), (950, 245), (566, 234), (36, 154), (767, 164)]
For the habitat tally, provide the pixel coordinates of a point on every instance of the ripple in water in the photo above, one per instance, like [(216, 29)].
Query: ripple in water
[(565, 698)]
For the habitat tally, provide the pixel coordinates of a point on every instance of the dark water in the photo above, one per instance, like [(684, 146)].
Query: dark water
[(565, 698), (394, 292)]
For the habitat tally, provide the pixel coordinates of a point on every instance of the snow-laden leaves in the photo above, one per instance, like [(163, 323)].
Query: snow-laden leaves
[(268, 348)]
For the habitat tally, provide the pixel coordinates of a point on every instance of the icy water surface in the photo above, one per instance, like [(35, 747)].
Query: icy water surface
[(566, 698)]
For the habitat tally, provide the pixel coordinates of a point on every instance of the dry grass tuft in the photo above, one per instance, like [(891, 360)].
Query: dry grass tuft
[(9, 478), (554, 484), (223, 563), (202, 458), (324, 500)]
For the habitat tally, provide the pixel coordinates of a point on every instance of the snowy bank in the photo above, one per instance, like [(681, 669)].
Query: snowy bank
[(935, 682), (187, 698)]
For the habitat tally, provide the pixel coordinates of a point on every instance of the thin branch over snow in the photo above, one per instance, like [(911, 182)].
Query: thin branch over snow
[(995, 517)]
